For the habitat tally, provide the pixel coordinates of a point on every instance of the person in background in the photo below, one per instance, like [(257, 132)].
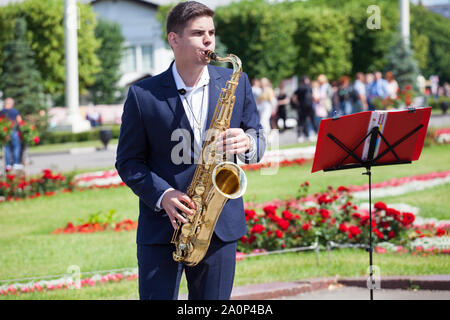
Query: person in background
[(434, 85), (421, 83), (266, 104), (348, 97), (378, 88), (335, 99), (282, 102), (392, 85), (444, 91), (326, 93), (13, 148), (370, 78), (319, 110), (360, 87), (256, 88), (302, 102)]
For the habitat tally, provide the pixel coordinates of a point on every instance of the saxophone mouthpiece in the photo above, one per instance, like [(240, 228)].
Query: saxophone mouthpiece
[(212, 55)]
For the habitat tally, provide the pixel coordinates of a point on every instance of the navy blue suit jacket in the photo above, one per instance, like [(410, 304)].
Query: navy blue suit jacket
[(152, 111)]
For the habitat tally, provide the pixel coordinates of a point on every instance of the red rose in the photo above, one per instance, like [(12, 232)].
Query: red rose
[(343, 227), (441, 231), (270, 210), (392, 212), (36, 140), (306, 226), (283, 224), (380, 206), (287, 215), (378, 234), (323, 199), (408, 218), (384, 224), (391, 234), (356, 215), (354, 230), (249, 214), (324, 213), (279, 234), (257, 228)]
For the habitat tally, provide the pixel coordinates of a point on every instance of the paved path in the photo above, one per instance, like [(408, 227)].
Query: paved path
[(87, 158), (431, 287), (354, 293), (90, 158)]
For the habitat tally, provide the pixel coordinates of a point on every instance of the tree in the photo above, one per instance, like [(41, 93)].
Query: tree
[(261, 35), (20, 78), (45, 34), (402, 63), (322, 39), (105, 89), (437, 29)]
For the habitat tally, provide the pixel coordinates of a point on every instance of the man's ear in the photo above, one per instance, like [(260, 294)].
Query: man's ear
[(172, 37)]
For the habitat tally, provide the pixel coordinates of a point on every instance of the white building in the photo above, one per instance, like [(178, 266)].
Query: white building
[(146, 53)]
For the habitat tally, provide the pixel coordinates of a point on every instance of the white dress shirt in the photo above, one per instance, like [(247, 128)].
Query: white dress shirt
[(195, 101)]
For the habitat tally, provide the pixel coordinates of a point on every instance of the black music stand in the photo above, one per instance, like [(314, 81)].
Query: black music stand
[(354, 159)]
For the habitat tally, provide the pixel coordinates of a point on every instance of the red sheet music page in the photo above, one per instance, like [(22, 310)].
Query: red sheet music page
[(349, 129), (397, 125)]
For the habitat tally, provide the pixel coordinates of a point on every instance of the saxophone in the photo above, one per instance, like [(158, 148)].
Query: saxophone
[(215, 179)]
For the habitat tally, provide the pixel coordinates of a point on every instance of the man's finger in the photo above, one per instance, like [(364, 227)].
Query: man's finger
[(182, 207), (184, 197)]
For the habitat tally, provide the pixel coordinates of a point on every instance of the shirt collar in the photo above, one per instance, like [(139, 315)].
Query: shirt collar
[(204, 78)]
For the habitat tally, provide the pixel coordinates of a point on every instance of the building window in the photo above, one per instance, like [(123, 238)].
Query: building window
[(129, 60), (147, 57)]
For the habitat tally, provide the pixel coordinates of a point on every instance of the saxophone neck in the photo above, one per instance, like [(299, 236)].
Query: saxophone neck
[(230, 58)]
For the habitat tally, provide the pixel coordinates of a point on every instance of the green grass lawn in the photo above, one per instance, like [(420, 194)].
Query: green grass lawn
[(285, 182), (29, 249)]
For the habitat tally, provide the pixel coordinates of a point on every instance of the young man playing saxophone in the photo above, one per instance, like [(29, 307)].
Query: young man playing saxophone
[(183, 97)]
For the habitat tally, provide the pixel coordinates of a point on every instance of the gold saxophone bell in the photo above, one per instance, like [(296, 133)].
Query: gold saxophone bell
[(229, 179)]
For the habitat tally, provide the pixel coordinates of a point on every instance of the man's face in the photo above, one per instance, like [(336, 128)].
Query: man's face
[(197, 37), (9, 103)]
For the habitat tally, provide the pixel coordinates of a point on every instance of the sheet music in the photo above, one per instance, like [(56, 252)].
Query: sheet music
[(377, 118)]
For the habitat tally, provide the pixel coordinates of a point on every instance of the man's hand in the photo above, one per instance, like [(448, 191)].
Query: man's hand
[(174, 200), (233, 141)]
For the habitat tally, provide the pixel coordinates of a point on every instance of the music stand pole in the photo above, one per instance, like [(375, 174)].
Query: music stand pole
[(373, 141), (369, 174)]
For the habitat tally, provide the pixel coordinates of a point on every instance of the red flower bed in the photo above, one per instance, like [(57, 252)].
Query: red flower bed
[(322, 217), (125, 225), (97, 222), (283, 163), (16, 187)]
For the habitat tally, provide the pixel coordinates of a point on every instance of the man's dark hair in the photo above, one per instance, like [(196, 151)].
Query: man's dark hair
[(180, 15)]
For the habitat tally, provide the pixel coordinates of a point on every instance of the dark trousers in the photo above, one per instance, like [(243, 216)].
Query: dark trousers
[(211, 279), (303, 117)]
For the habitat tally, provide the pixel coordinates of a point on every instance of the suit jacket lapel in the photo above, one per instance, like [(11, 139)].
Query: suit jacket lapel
[(173, 100)]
